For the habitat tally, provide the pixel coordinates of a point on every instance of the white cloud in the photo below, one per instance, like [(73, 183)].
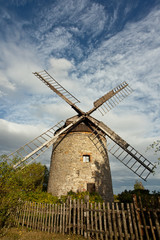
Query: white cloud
[(14, 135), (5, 83), (93, 19), (60, 67), (62, 28), (133, 56)]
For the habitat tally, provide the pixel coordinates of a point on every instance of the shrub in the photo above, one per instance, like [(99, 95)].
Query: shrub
[(17, 185)]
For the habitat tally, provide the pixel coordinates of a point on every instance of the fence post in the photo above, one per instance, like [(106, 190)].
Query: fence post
[(114, 222), (39, 215), (157, 223), (96, 225), (49, 219), (124, 221), (119, 222), (55, 218), (134, 221), (25, 209), (109, 220), (74, 216), (151, 225), (82, 216), (105, 221), (92, 222), (143, 217), (46, 217), (78, 217), (52, 217), (60, 223), (43, 216), (28, 217), (85, 220), (100, 220), (138, 216), (70, 215), (130, 222), (67, 216), (64, 217)]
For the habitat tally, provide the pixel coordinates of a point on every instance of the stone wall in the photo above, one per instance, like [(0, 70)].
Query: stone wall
[(69, 172)]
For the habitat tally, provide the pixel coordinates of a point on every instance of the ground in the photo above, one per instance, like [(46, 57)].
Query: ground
[(24, 234)]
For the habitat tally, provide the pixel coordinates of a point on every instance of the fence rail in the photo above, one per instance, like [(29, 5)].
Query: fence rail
[(93, 221)]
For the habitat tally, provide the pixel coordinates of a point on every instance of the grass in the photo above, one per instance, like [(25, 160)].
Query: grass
[(24, 234)]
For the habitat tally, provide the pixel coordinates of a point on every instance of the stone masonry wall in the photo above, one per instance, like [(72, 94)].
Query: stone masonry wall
[(69, 172)]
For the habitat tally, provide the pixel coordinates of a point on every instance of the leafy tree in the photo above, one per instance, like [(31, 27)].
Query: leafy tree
[(149, 200), (17, 185), (156, 147), (126, 196), (138, 185)]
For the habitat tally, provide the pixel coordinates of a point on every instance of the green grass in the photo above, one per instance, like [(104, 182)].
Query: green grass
[(24, 234)]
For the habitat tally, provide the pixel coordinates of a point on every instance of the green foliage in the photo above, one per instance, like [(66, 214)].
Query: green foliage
[(92, 197), (28, 184), (148, 200), (138, 185), (126, 196), (17, 185), (156, 147), (116, 199), (41, 197)]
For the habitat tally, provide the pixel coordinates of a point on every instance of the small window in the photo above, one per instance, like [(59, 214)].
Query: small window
[(86, 158)]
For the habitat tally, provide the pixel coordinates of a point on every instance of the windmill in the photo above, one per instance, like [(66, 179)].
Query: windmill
[(80, 146)]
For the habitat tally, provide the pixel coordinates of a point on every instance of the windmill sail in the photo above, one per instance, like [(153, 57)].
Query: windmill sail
[(47, 79), (125, 153), (112, 98), (39, 145)]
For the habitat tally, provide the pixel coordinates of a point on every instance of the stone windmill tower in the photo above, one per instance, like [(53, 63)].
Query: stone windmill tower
[(79, 160)]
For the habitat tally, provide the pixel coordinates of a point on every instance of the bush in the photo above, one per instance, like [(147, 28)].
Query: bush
[(148, 200), (92, 197), (17, 185)]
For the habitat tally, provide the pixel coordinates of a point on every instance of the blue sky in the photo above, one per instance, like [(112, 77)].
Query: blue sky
[(89, 47)]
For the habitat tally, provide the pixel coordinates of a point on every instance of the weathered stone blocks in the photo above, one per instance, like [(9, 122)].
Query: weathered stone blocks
[(68, 171)]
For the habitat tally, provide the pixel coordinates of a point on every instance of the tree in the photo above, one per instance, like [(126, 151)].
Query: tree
[(156, 147), (125, 196), (138, 185), (17, 185)]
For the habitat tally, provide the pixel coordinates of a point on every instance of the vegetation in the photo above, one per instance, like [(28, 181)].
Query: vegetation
[(92, 197), (27, 184), (18, 185), (25, 234), (156, 147), (149, 200), (138, 185)]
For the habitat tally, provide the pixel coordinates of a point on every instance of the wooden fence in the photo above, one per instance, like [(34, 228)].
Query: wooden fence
[(93, 221)]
